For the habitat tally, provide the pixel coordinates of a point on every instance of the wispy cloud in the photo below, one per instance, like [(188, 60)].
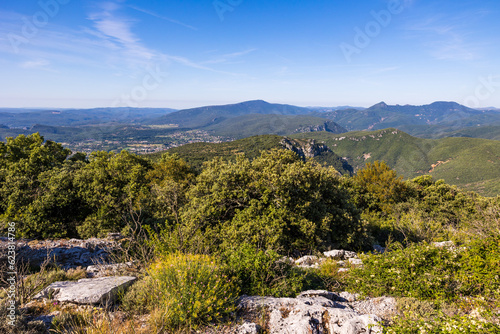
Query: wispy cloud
[(111, 26), (163, 17), (189, 63), (108, 41), (228, 57), (449, 37), (40, 63)]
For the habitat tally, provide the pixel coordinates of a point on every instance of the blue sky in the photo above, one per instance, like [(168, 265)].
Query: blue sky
[(179, 54)]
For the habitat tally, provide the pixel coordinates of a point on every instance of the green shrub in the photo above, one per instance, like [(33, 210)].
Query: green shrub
[(442, 325), (420, 271), (265, 273), (276, 201), (191, 290), (479, 272), (427, 272), (139, 298), (412, 308)]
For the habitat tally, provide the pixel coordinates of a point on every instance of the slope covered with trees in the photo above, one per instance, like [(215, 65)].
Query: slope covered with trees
[(470, 163), (223, 230)]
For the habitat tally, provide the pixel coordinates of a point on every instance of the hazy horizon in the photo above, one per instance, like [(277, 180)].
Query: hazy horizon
[(217, 104)]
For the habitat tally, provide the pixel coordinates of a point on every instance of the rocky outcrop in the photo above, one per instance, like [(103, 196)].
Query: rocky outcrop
[(67, 254), (444, 244), (248, 328), (115, 269), (320, 312), (307, 148), (101, 291), (340, 254), (328, 126), (308, 261)]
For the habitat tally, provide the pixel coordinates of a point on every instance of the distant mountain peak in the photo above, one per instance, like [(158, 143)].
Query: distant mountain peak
[(380, 105), (254, 103), (445, 103)]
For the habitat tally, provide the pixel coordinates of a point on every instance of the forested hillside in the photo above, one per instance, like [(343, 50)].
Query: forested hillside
[(469, 163), (198, 153), (234, 219)]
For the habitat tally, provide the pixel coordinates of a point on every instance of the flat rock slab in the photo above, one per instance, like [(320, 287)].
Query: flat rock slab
[(102, 290), (65, 253), (319, 312)]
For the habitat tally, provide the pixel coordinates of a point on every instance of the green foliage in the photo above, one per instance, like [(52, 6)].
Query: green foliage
[(139, 298), (26, 165), (191, 290), (454, 158), (437, 211), (198, 153), (427, 272), (479, 272), (414, 308), (442, 325), (254, 124), (264, 273), (114, 187), (276, 201), (169, 180), (378, 187)]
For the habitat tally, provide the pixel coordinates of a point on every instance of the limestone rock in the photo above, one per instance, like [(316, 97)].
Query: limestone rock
[(336, 254), (307, 148), (101, 290), (248, 328), (348, 297), (101, 270), (318, 293), (308, 261), (67, 254), (444, 244), (315, 311), (350, 255), (381, 306), (356, 262), (340, 254)]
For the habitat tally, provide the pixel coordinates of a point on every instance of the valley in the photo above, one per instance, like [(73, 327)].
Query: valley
[(413, 140)]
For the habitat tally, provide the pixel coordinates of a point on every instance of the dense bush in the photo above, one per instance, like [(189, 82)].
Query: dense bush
[(442, 325), (266, 273), (113, 187), (191, 290), (428, 272), (276, 201)]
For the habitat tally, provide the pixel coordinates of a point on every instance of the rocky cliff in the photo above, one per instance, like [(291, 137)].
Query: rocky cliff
[(306, 148)]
